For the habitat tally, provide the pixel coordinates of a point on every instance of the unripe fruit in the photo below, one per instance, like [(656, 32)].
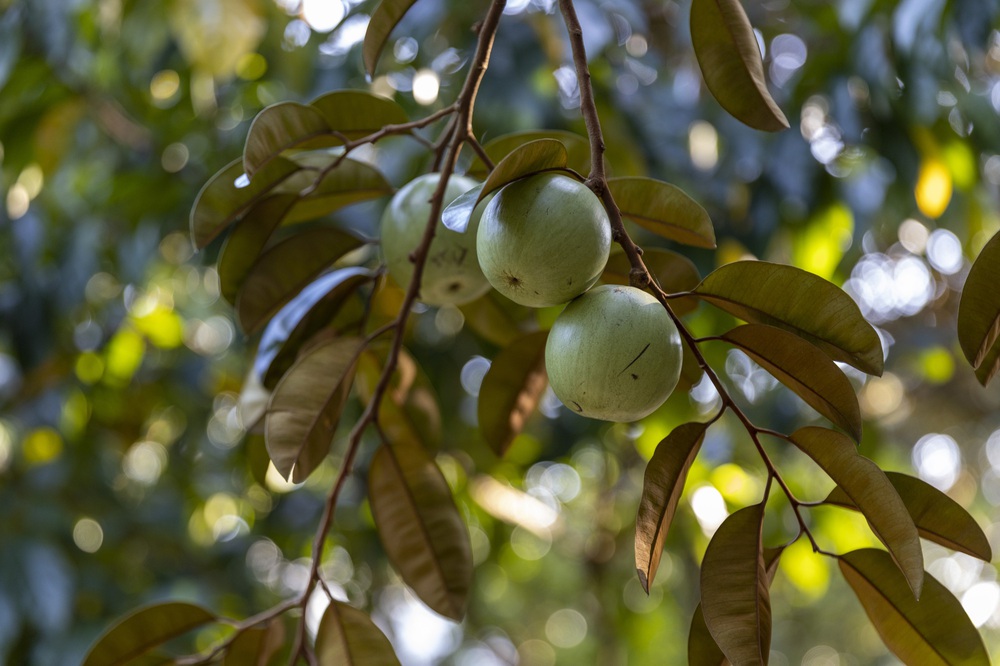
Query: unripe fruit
[(544, 240), (613, 354), (451, 275)]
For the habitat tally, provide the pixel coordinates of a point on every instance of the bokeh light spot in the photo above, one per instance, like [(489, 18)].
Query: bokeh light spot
[(88, 535)]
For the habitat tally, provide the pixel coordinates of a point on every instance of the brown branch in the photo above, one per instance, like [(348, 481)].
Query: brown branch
[(639, 275)]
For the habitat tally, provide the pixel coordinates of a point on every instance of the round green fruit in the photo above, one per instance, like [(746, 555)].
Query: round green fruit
[(451, 275), (613, 354), (544, 240)]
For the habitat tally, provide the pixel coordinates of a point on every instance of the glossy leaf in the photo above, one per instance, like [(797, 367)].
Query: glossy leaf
[(804, 369), (934, 631), (305, 407), (577, 149), (144, 629), (663, 209), (661, 489), (257, 646), (281, 127), (526, 160), (421, 529), (870, 490), (313, 309), (248, 238), (348, 637), (735, 599), (349, 183), (383, 20), (221, 201), (673, 272), (490, 320), (727, 51), (458, 213), (938, 517), (285, 269), (511, 390), (702, 648), (355, 114), (814, 309), (979, 313)]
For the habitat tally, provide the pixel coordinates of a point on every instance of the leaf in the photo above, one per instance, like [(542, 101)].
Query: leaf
[(313, 309), (257, 646), (247, 240), (702, 648), (144, 629), (727, 51), (870, 490), (934, 631), (673, 272), (491, 320), (422, 532), (577, 149), (355, 114), (526, 160), (285, 269), (661, 489), (804, 369), (280, 127), (734, 589), (938, 517), (383, 20), (814, 309), (348, 637), (979, 313), (220, 202), (511, 389), (663, 209), (458, 213), (349, 183), (305, 407)]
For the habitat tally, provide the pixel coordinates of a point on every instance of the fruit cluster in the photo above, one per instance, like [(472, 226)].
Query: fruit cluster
[(613, 353)]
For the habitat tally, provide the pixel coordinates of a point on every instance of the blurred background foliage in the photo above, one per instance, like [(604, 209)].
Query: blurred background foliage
[(125, 476)]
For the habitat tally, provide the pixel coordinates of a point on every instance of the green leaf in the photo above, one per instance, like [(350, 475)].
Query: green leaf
[(814, 309), (220, 202), (672, 271), (979, 313), (526, 160), (355, 114), (422, 532), (661, 489), (577, 149), (870, 490), (305, 407), (458, 213), (938, 517), (281, 127), (702, 648), (734, 589), (348, 637), (663, 209), (383, 20), (804, 369), (491, 320), (511, 389), (257, 646), (314, 309), (144, 629), (248, 238), (727, 51), (350, 182), (285, 269), (934, 631)]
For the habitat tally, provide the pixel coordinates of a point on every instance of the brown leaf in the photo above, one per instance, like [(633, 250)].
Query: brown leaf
[(511, 389), (979, 313), (144, 629), (664, 209), (348, 637)]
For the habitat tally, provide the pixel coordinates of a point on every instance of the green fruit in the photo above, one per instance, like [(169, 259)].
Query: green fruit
[(613, 354), (544, 240), (451, 274)]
